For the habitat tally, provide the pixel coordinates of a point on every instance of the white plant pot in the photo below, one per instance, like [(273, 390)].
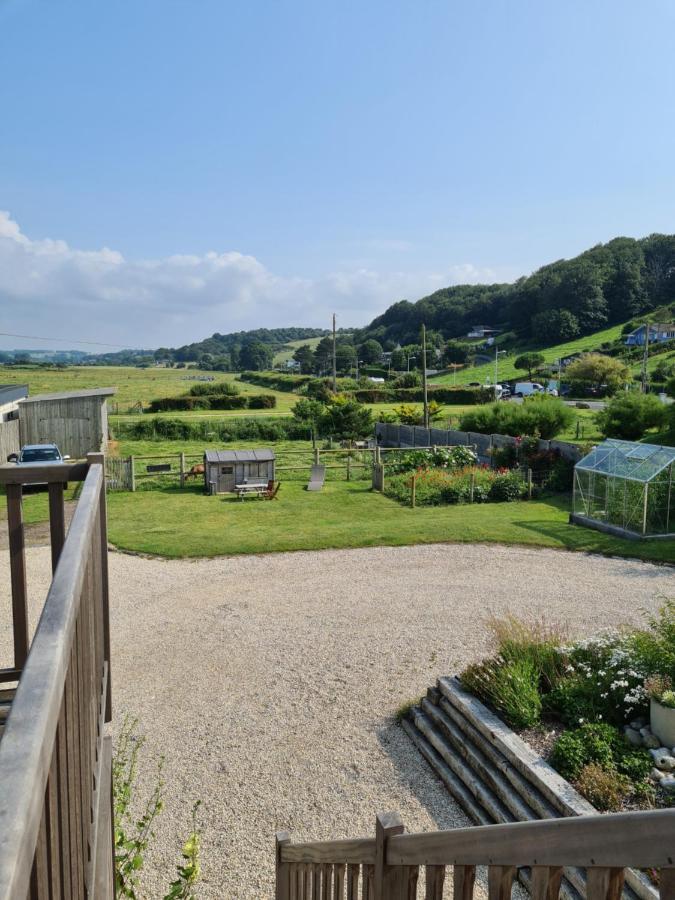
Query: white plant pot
[(662, 723)]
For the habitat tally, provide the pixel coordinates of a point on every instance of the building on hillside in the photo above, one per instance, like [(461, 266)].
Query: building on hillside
[(76, 421), (224, 469), (483, 331), (658, 333)]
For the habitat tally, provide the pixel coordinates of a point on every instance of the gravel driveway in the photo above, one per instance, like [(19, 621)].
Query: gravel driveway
[(270, 682)]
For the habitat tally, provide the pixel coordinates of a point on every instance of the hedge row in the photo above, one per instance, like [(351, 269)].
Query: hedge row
[(276, 380), (210, 431), (219, 401), (450, 395)]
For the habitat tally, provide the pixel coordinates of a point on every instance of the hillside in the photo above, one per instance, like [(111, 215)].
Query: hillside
[(607, 284)]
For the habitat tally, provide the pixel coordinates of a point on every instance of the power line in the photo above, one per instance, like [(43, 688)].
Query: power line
[(33, 337)]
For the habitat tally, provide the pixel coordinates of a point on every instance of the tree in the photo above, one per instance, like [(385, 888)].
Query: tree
[(370, 352), (254, 355), (628, 416), (398, 360), (555, 325), (309, 412), (345, 418), (345, 356), (597, 370), (456, 352), (529, 361), (305, 356)]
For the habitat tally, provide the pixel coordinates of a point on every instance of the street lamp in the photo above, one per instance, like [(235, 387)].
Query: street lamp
[(497, 352), (358, 361), (409, 358)]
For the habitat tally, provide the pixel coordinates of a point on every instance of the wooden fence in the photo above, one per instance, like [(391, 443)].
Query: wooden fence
[(10, 442), (389, 865), (55, 755)]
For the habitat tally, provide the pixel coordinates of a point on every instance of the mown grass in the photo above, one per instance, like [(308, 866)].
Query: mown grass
[(178, 524), (508, 371), (283, 355)]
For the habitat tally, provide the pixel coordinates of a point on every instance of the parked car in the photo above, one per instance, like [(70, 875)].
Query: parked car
[(527, 388), (505, 394), (35, 455)]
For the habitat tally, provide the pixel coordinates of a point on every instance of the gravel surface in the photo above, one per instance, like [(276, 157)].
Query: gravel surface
[(270, 682)]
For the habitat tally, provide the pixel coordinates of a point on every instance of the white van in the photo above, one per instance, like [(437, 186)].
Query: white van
[(527, 388)]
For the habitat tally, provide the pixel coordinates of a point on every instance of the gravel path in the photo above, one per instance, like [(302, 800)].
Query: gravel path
[(270, 682)]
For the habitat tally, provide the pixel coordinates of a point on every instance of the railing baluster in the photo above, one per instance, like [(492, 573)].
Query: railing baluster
[(338, 882), (282, 891), (464, 879), (434, 879), (64, 824), (316, 882), (368, 879), (17, 563), (53, 827), (353, 875), (57, 521), (545, 882), (409, 882), (604, 883), (39, 879), (326, 881), (500, 882)]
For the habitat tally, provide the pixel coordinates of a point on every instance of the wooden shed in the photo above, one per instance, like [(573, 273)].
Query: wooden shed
[(226, 468), (76, 421)]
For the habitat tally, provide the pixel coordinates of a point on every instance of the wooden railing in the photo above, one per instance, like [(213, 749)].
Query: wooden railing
[(387, 867), (55, 755)]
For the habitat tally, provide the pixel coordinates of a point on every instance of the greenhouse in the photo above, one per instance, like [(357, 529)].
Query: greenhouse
[(626, 488)]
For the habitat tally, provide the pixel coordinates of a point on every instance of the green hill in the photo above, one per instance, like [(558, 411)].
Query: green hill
[(282, 356)]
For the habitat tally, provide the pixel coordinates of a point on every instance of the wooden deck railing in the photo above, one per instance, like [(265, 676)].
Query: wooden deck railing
[(387, 867), (55, 755)]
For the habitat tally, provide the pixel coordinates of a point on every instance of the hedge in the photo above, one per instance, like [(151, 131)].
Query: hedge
[(448, 395), (210, 431), (276, 380), (219, 401)]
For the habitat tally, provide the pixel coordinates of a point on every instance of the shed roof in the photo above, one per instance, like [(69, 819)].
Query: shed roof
[(72, 395), (235, 456), (627, 459), (10, 392)]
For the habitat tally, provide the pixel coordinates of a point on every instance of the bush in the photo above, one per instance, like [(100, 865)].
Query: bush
[(592, 743), (440, 458), (262, 401), (607, 791), (277, 380), (434, 487), (506, 487), (208, 430), (541, 414), (215, 388), (445, 395), (511, 687), (628, 416), (533, 640)]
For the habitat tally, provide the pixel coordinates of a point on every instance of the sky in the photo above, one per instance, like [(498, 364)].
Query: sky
[(170, 169)]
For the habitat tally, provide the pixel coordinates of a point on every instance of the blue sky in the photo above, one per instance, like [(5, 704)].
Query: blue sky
[(173, 168)]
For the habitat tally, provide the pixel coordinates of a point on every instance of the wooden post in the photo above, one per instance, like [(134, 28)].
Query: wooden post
[(132, 473), (529, 484), (349, 459), (472, 486), (99, 459), (387, 881), (413, 482), (317, 456), (282, 891), (17, 564), (57, 520), (182, 469)]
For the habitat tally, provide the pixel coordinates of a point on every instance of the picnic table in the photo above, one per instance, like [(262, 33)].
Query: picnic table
[(251, 489)]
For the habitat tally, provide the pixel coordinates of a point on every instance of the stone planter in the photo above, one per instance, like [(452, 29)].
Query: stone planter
[(662, 723)]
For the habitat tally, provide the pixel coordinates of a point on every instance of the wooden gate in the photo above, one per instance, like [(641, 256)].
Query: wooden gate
[(118, 473)]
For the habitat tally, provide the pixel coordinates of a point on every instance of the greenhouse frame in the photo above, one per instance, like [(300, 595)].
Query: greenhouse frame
[(626, 488)]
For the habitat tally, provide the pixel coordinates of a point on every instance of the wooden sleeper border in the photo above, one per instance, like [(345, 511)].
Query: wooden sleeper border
[(496, 777)]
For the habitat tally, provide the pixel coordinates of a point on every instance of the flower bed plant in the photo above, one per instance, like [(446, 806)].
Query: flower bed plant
[(597, 693), (475, 484)]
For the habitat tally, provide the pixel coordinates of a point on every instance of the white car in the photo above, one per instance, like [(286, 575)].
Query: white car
[(527, 388)]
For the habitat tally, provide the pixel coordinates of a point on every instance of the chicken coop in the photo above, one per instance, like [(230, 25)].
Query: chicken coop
[(626, 488)]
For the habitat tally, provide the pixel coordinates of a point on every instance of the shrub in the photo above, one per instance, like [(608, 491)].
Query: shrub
[(592, 743), (511, 687), (215, 388), (441, 458), (536, 641), (541, 414), (208, 430), (434, 487), (262, 401), (277, 380), (607, 791), (652, 649), (628, 416), (507, 486)]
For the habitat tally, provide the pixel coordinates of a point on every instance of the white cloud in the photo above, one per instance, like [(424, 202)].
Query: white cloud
[(51, 289)]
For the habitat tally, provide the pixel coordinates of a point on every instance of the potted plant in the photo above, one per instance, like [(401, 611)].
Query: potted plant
[(662, 708)]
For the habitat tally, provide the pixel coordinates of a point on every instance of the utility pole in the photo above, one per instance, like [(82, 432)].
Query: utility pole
[(424, 376), (334, 360), (496, 367), (645, 359)]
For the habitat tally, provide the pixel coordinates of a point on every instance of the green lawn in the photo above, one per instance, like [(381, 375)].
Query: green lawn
[(175, 523), (507, 371), (283, 355)]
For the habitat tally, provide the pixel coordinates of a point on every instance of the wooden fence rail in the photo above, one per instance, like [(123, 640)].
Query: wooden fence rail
[(55, 755), (388, 866)]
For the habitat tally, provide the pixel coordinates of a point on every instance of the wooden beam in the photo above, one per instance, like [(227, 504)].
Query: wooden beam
[(387, 878), (17, 564), (12, 474), (57, 521)]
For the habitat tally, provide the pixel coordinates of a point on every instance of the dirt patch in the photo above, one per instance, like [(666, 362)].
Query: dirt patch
[(37, 534)]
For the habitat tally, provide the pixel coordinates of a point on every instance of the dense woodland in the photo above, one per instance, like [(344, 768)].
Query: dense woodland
[(608, 284)]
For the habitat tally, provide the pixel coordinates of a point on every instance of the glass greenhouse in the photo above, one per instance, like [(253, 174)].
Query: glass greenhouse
[(626, 488)]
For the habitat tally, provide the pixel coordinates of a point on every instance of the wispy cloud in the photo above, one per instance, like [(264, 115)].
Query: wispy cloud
[(99, 294)]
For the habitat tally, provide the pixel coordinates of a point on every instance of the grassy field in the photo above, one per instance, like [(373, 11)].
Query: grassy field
[(284, 355), (175, 523), (133, 385), (486, 373)]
